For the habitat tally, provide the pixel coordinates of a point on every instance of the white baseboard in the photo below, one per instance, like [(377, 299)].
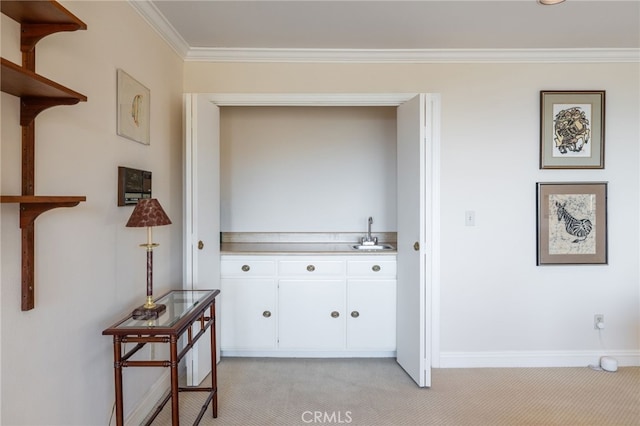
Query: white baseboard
[(515, 359), (150, 400)]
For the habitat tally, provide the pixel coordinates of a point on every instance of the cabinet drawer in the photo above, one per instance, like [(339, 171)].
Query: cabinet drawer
[(311, 267), (371, 268), (247, 268)]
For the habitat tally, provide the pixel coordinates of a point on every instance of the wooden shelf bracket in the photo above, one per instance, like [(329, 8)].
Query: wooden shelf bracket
[(31, 107), (32, 33), (30, 211)]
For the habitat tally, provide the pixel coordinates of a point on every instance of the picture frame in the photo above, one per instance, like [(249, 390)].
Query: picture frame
[(571, 223), (134, 108), (572, 127), (133, 185)]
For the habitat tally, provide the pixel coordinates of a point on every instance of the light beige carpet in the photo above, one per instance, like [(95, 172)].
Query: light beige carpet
[(272, 391)]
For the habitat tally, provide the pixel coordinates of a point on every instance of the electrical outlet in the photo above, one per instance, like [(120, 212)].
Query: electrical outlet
[(598, 321)]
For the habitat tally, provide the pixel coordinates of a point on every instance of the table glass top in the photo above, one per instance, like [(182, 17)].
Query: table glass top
[(179, 303)]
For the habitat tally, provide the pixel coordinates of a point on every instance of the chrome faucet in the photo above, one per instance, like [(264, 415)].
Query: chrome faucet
[(368, 240)]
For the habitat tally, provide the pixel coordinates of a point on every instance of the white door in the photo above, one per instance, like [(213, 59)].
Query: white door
[(412, 331), (201, 215)]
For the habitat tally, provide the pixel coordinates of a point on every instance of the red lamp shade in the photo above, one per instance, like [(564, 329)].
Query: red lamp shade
[(148, 212)]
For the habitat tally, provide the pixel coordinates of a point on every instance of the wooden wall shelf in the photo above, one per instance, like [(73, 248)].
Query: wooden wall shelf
[(37, 19), (36, 92)]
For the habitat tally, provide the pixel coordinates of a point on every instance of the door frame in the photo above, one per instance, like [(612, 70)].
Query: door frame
[(432, 175)]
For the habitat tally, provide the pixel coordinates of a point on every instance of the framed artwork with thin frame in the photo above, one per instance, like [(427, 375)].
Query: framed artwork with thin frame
[(572, 223), (572, 129), (134, 104)]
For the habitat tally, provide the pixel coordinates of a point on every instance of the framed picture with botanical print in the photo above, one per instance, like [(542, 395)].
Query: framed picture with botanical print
[(572, 223), (134, 105), (572, 129)]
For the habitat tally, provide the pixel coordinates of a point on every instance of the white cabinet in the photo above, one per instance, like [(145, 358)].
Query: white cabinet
[(324, 305), (371, 304), (248, 304), (311, 296)]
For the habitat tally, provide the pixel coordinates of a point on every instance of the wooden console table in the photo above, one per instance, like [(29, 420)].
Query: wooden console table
[(184, 309)]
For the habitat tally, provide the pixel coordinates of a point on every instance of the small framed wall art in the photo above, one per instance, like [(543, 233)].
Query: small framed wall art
[(134, 107), (572, 129), (572, 223)]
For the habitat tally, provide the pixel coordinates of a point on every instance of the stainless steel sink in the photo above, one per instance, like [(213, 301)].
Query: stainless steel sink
[(375, 247)]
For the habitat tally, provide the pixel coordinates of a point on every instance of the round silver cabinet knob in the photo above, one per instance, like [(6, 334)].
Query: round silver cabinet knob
[(246, 268)]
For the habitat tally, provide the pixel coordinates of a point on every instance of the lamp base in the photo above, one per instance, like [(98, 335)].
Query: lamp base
[(142, 313)]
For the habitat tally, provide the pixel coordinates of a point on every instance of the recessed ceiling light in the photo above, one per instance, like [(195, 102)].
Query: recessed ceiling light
[(549, 2)]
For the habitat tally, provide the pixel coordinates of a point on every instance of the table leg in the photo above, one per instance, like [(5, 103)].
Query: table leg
[(117, 367), (214, 365), (175, 411)]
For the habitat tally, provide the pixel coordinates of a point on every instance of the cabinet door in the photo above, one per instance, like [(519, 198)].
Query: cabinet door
[(248, 314), (371, 314), (311, 314)]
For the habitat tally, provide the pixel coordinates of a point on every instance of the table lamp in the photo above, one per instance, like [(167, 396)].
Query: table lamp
[(149, 213)]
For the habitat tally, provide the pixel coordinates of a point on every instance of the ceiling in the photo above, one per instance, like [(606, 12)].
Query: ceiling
[(394, 25)]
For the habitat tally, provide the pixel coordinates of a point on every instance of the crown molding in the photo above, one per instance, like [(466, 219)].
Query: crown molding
[(159, 23), (167, 32), (414, 55)]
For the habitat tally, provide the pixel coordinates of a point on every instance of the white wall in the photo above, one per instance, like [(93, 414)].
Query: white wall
[(496, 306), (57, 368), (309, 169)]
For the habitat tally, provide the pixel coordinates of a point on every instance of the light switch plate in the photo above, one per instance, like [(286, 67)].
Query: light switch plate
[(470, 218)]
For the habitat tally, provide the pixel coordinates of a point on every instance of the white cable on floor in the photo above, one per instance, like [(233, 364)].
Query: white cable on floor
[(596, 367)]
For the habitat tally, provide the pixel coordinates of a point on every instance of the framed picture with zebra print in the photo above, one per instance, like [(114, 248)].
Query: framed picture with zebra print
[(572, 129), (572, 223)]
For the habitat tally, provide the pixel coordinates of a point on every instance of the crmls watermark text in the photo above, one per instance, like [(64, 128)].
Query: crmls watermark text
[(337, 417)]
